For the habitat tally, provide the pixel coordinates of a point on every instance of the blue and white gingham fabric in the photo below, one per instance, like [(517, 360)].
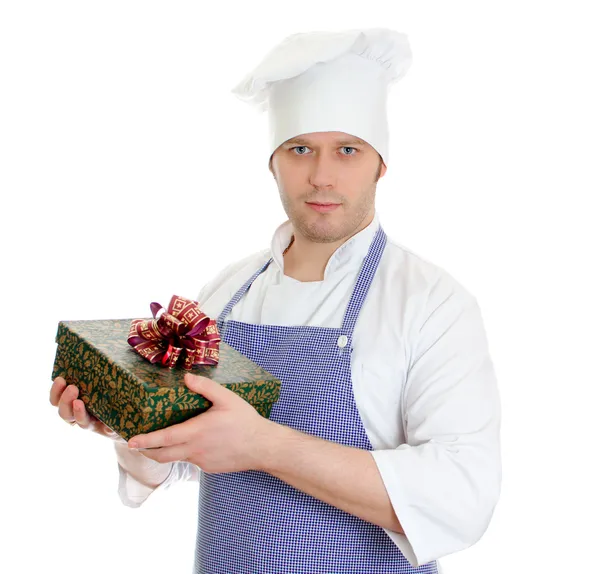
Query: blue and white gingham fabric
[(254, 523)]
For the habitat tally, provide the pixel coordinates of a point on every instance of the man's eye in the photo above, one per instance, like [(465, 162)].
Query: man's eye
[(345, 148), (300, 147)]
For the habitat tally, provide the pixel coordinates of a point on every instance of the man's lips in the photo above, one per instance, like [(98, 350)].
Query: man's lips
[(323, 207)]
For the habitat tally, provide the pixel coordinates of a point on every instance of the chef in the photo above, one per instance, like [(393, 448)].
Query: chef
[(382, 454)]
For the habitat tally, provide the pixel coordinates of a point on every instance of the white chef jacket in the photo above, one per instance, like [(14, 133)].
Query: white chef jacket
[(423, 382)]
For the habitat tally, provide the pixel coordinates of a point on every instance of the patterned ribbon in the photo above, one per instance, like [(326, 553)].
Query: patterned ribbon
[(182, 330)]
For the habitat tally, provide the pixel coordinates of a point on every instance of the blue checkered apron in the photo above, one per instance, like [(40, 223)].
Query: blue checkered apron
[(251, 522)]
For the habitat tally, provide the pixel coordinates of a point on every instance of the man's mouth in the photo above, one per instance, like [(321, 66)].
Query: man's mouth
[(323, 207)]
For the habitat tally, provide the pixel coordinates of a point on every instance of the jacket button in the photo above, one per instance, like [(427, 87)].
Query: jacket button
[(342, 341)]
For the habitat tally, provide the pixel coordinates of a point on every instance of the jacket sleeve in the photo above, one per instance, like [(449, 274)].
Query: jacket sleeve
[(134, 493), (444, 481)]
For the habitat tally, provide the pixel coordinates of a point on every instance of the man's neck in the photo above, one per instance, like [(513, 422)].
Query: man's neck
[(306, 260)]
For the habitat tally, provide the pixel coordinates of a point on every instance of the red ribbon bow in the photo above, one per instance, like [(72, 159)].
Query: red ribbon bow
[(183, 329)]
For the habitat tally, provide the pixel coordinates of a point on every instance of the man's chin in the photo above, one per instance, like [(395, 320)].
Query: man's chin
[(322, 231)]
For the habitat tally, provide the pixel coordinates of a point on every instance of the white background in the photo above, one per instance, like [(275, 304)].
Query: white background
[(129, 172)]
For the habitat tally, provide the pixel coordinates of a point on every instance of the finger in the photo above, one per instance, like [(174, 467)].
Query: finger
[(170, 436), (81, 415), (209, 389), (65, 405), (99, 427), (168, 454), (56, 390)]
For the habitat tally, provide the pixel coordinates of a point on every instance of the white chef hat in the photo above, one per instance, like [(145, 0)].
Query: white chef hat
[(329, 81)]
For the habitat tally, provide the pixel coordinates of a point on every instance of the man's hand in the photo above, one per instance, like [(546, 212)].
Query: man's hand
[(228, 437), (72, 410)]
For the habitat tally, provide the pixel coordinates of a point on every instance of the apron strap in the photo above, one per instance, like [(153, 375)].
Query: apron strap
[(240, 293), (365, 278)]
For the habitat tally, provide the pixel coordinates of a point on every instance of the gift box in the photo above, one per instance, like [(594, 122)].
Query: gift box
[(132, 395)]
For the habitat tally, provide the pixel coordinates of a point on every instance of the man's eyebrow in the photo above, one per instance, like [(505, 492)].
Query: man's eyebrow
[(339, 142)]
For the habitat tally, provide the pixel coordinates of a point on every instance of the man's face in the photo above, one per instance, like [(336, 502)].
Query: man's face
[(327, 168)]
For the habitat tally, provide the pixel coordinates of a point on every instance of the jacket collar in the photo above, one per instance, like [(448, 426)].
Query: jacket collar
[(351, 251)]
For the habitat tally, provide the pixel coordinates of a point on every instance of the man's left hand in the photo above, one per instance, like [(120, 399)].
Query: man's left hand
[(228, 437)]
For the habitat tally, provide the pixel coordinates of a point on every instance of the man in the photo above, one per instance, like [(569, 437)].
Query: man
[(382, 453)]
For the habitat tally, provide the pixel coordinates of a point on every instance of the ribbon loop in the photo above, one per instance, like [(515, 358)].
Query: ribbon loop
[(182, 330)]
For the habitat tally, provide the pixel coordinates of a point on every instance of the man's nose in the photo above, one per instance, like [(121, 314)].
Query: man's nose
[(324, 173)]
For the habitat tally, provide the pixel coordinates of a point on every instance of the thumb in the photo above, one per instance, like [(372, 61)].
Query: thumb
[(206, 387)]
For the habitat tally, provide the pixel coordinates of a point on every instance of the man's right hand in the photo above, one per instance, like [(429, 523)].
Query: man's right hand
[(72, 410)]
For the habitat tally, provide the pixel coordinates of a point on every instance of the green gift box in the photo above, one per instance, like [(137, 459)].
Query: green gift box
[(133, 396)]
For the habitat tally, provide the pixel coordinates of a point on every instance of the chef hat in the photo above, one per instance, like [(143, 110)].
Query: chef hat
[(329, 81)]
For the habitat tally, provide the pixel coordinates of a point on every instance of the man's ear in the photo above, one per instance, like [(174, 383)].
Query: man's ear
[(383, 170), (271, 167), (380, 170)]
